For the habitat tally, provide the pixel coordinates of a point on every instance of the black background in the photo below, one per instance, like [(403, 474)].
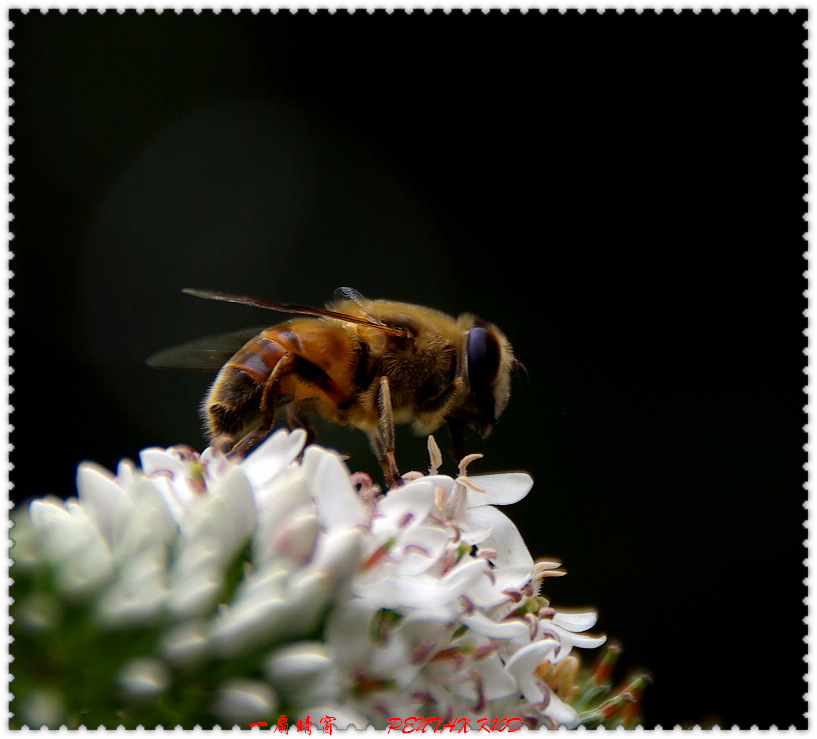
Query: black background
[(622, 194)]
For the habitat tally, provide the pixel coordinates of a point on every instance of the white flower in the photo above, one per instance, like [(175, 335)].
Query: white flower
[(242, 701), (72, 545), (349, 603), (144, 678)]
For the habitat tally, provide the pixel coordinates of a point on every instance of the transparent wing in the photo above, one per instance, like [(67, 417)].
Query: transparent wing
[(349, 293), (302, 309), (209, 353)]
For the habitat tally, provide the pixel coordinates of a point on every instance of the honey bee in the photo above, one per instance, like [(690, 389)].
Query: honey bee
[(363, 363)]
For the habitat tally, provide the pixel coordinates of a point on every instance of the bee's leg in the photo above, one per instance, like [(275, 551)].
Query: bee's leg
[(270, 397), (249, 440), (297, 421), (222, 442), (385, 445), (377, 447), (457, 428)]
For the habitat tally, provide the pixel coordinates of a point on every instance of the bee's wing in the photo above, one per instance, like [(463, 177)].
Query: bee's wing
[(302, 309), (209, 353), (349, 293)]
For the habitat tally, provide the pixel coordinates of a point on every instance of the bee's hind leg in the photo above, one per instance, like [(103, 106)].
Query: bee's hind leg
[(247, 442), (222, 442), (271, 396), (296, 420)]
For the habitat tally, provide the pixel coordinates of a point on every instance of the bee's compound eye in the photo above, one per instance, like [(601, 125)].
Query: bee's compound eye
[(483, 357)]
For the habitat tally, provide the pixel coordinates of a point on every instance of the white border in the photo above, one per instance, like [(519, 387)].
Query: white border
[(640, 6)]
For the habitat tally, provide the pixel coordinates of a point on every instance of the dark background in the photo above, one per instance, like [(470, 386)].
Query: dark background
[(622, 194)]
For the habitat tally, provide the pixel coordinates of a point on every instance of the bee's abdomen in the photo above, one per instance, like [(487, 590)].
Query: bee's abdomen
[(257, 359), (234, 397), (304, 360)]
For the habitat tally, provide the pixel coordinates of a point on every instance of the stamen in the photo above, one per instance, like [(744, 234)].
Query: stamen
[(457, 655), (420, 653), (466, 460), (485, 651), (416, 548), (435, 455), (423, 696), (543, 565), (479, 706), (469, 607), (378, 555), (470, 484), (533, 622), (439, 498), (607, 661)]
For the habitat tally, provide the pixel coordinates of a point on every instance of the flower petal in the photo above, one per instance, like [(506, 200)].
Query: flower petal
[(500, 489), (575, 620), (419, 549), (242, 701), (406, 506), (497, 683), (247, 626), (338, 505), (99, 496), (138, 594), (422, 591), (143, 678), (495, 587), (560, 713), (158, 461), (522, 666), (348, 634), (294, 538), (304, 672), (504, 539), (274, 454), (233, 507), (339, 555), (185, 644), (73, 545), (141, 520), (480, 623)]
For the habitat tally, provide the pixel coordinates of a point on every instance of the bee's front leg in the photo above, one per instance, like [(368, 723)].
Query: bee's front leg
[(383, 442), (457, 428)]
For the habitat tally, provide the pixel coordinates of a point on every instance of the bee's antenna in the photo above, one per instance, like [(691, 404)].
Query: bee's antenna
[(517, 368)]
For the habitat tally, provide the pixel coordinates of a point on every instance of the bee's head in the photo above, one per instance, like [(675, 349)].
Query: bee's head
[(489, 366)]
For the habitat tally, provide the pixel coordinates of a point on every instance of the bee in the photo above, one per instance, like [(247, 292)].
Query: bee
[(368, 364)]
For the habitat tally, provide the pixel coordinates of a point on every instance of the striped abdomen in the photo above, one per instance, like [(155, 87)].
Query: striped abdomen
[(302, 359)]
